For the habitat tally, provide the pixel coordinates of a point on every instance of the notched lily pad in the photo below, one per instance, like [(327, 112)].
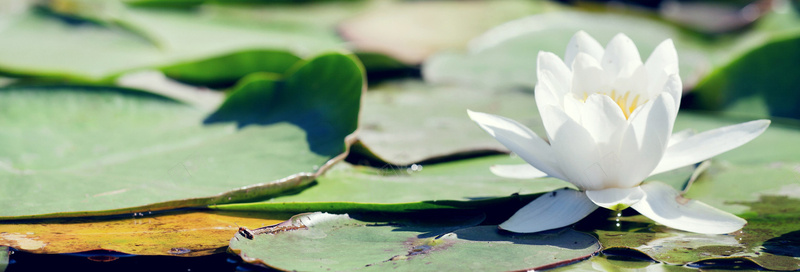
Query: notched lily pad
[(77, 151), (322, 241)]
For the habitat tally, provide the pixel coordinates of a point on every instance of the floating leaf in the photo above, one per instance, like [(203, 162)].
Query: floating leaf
[(200, 233), (755, 84), (322, 241), (505, 56), (407, 122), (465, 184), (74, 151), (227, 69), (141, 38)]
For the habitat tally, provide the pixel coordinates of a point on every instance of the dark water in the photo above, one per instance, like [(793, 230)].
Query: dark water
[(112, 261)]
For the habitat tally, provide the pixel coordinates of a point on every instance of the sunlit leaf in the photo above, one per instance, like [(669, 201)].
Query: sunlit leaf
[(172, 234), (459, 184), (139, 38), (227, 69), (73, 151), (323, 241), (408, 122)]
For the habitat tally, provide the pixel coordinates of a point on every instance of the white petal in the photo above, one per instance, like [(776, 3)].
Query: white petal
[(588, 76), (582, 42), (646, 139), (616, 199), (679, 136), (559, 76), (517, 171), (709, 144), (621, 56), (545, 94), (663, 204), (662, 63), (674, 86), (519, 139), (576, 152), (603, 118), (552, 210)]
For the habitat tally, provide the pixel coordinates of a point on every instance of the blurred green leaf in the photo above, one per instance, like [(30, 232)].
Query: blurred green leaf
[(759, 83), (74, 151), (138, 38), (227, 69), (322, 241)]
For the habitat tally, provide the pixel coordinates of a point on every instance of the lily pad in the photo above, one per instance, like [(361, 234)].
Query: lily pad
[(201, 233), (458, 184), (755, 84), (321, 241), (225, 70), (407, 122), (505, 56), (139, 38), (75, 151)]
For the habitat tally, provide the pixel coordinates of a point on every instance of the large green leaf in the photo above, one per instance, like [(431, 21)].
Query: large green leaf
[(137, 38), (458, 184), (227, 69), (462, 184), (322, 241), (72, 151), (758, 83), (407, 122), (505, 56)]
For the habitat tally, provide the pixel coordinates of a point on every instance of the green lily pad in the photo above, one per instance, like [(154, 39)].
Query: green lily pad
[(227, 69), (322, 241), (138, 38), (407, 122), (757, 83), (458, 184), (505, 56), (4, 257), (461, 184), (74, 151)]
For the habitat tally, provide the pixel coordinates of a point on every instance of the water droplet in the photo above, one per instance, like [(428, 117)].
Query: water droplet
[(414, 168), (619, 214), (618, 225)]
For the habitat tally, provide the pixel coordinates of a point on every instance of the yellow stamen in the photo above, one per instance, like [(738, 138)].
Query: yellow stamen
[(622, 101)]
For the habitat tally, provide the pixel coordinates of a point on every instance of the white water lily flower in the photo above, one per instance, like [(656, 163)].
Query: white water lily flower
[(609, 120)]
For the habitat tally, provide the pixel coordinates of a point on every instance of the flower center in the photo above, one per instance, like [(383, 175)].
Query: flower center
[(624, 100)]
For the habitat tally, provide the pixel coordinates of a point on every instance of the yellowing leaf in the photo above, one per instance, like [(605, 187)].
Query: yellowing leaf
[(178, 234)]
